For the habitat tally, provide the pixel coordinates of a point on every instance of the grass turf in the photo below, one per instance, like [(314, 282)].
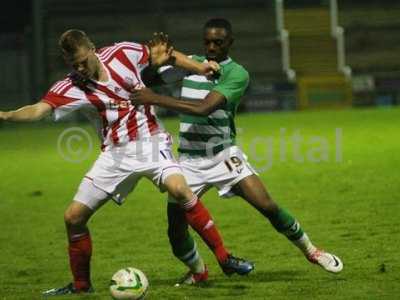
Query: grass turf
[(339, 175)]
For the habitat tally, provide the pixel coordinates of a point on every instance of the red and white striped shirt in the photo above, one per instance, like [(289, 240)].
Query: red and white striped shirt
[(120, 121)]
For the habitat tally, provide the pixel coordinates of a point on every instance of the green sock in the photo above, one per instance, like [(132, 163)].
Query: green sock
[(286, 224)]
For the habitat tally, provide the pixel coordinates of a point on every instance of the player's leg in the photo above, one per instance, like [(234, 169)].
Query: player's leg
[(184, 247), (196, 214), (79, 243), (182, 244), (254, 192), (200, 220), (88, 199), (166, 173)]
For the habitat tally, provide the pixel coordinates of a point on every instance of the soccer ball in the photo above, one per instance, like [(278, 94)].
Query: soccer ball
[(129, 283)]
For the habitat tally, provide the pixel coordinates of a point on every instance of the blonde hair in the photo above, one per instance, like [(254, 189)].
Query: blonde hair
[(73, 39)]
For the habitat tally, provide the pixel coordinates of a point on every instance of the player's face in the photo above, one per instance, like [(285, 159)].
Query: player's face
[(217, 43), (85, 62)]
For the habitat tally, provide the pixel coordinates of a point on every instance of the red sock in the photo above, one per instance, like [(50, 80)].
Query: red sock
[(80, 251), (200, 220)]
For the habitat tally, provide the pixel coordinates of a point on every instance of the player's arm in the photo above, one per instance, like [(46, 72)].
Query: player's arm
[(199, 107), (27, 113), (185, 62), (177, 70), (162, 53)]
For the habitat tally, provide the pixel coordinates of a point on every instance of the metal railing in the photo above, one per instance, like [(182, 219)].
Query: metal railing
[(284, 39), (338, 33)]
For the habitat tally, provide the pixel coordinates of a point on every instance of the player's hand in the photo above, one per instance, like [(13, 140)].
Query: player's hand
[(160, 49), (209, 68), (142, 96)]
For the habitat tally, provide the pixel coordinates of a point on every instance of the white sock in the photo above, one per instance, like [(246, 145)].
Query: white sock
[(305, 245), (197, 265), (194, 261)]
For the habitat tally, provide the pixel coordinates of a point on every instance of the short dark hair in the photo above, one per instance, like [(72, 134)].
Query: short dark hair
[(219, 23), (73, 39)]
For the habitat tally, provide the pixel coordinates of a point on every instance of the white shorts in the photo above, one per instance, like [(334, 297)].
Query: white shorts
[(222, 171), (117, 171)]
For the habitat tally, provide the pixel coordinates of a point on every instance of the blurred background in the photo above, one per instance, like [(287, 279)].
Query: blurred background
[(300, 54)]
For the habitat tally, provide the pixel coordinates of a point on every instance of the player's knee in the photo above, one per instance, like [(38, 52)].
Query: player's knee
[(180, 191), (73, 219)]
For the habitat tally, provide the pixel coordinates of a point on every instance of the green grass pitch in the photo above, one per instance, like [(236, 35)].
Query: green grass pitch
[(336, 171)]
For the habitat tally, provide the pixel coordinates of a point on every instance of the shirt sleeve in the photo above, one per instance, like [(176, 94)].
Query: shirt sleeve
[(233, 84), (172, 74), (138, 54), (65, 98)]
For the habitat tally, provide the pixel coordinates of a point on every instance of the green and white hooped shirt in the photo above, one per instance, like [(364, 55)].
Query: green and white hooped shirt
[(206, 136)]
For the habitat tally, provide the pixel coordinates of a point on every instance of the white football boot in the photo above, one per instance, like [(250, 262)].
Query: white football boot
[(327, 261)]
